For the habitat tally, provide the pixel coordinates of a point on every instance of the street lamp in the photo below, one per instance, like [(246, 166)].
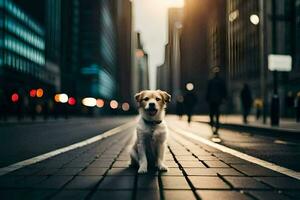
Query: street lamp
[(254, 19), (189, 86)]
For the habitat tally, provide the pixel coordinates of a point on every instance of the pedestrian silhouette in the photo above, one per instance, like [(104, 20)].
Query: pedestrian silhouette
[(189, 100), (246, 100), (215, 94), (179, 106)]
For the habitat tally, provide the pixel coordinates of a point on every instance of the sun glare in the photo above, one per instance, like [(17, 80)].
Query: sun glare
[(175, 3)]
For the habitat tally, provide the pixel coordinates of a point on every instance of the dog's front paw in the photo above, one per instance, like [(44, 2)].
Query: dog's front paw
[(162, 167), (142, 170)]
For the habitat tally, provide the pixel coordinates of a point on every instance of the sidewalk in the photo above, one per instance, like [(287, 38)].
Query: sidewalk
[(287, 126), (100, 171)]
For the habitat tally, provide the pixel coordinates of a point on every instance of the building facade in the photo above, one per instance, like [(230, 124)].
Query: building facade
[(140, 72), (124, 28), (163, 74), (89, 48), (169, 73), (22, 53), (257, 29), (194, 44), (244, 49), (175, 17)]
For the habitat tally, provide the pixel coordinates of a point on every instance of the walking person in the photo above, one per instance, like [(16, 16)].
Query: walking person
[(216, 93), (246, 100), (189, 101)]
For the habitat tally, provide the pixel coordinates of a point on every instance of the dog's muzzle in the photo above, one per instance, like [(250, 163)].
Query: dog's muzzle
[(151, 110)]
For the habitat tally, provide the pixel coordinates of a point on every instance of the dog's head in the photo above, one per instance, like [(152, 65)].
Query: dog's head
[(152, 103)]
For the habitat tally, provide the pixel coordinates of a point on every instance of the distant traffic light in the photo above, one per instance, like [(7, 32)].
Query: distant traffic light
[(15, 97)]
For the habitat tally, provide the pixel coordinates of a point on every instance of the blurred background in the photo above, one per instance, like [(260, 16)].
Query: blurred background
[(89, 57)]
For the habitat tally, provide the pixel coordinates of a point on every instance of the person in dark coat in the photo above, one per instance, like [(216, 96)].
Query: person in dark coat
[(216, 93), (189, 101), (246, 99)]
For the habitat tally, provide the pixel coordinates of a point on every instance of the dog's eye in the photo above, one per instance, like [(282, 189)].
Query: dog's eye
[(158, 99), (146, 99)]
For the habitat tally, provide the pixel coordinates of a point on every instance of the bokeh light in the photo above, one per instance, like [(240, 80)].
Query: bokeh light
[(114, 104), (32, 92), (99, 103), (15, 97), (254, 19), (89, 102), (125, 106), (63, 98), (39, 92), (189, 86), (72, 101), (56, 98)]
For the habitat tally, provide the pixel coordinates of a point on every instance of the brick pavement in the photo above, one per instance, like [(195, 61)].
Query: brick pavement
[(100, 171)]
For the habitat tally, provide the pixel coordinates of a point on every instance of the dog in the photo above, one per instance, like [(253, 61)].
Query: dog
[(151, 131)]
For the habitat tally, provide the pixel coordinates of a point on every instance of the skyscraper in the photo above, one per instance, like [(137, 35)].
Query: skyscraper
[(168, 74), (124, 29), (23, 52), (89, 48), (140, 76), (194, 48)]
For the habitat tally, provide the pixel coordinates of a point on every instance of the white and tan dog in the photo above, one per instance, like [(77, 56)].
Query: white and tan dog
[(151, 130)]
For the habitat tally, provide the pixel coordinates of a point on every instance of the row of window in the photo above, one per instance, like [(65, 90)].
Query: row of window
[(24, 50), (107, 84), (18, 13), (25, 66), (21, 31)]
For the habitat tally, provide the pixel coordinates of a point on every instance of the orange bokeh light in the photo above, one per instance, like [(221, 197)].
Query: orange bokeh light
[(100, 103), (56, 98), (39, 92)]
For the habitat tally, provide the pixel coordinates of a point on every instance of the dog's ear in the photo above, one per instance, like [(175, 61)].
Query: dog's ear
[(138, 96), (166, 96)]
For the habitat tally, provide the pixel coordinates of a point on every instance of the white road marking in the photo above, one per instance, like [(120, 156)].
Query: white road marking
[(241, 155), (45, 156)]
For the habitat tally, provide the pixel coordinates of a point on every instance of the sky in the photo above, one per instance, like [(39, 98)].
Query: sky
[(150, 19)]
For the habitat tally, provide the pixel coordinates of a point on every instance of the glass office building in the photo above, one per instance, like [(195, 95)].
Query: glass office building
[(22, 49)]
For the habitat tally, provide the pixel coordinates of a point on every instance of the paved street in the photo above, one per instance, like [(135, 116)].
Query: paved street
[(21, 141), (100, 171)]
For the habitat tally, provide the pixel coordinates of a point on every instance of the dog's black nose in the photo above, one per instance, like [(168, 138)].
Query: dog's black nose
[(151, 105)]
